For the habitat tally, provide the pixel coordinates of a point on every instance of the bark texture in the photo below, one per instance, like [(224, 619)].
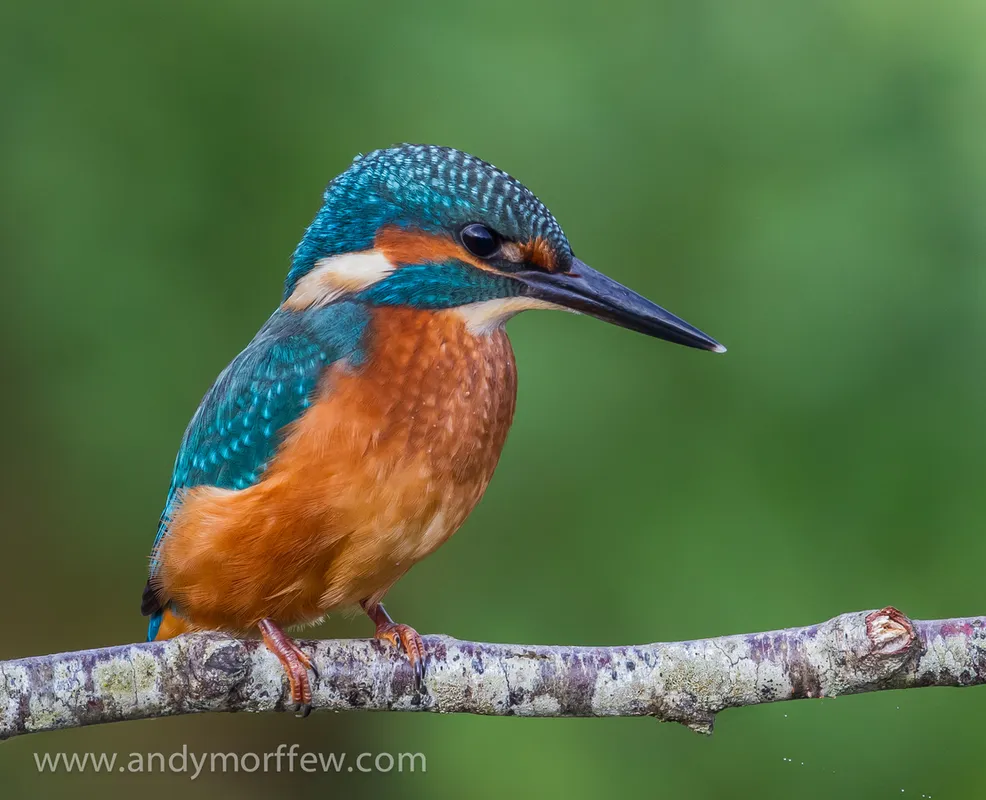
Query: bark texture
[(686, 682)]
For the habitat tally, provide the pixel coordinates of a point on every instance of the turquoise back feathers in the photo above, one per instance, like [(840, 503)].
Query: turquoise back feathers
[(241, 421)]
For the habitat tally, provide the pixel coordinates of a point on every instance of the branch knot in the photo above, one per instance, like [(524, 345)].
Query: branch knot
[(889, 632)]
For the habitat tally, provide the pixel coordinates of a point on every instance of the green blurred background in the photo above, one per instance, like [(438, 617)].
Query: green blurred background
[(805, 181)]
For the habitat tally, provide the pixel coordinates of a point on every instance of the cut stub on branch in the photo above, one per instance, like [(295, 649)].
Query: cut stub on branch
[(687, 682), (889, 632)]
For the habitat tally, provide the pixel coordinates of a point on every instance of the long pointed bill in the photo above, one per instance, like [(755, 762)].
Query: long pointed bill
[(586, 290)]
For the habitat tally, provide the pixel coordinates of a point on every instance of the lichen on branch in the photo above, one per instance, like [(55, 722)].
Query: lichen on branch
[(687, 682)]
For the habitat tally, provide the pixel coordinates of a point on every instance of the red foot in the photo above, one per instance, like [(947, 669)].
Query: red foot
[(296, 664), (403, 637)]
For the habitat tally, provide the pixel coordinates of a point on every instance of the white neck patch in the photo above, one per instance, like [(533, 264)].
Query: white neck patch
[(488, 315), (333, 277)]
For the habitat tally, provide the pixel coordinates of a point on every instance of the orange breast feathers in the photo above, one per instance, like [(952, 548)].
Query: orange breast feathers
[(383, 467)]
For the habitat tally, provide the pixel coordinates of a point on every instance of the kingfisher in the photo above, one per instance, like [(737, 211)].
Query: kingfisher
[(359, 428)]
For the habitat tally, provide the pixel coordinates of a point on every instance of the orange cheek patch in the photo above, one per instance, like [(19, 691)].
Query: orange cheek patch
[(538, 252), (415, 247)]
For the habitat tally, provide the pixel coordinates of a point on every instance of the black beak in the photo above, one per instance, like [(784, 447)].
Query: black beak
[(585, 290)]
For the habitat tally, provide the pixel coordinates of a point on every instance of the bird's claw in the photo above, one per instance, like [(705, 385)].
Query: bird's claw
[(405, 638), (296, 664)]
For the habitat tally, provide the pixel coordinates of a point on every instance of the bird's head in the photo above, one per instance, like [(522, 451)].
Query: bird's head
[(435, 228)]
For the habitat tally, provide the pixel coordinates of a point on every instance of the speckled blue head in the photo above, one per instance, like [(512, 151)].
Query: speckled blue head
[(421, 187), (479, 236)]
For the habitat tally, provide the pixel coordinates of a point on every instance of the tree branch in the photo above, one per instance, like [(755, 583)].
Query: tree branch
[(687, 682)]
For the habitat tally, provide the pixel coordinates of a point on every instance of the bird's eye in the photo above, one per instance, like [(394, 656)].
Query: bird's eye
[(480, 240)]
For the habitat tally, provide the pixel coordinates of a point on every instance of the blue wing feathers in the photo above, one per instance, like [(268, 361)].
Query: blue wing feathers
[(240, 422)]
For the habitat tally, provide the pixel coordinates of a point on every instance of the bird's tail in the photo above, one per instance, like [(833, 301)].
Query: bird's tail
[(165, 624)]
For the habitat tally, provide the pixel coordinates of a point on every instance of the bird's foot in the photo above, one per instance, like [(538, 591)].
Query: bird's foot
[(296, 664), (405, 638), (401, 636)]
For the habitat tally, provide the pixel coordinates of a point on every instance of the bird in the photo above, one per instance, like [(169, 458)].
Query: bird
[(362, 424)]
